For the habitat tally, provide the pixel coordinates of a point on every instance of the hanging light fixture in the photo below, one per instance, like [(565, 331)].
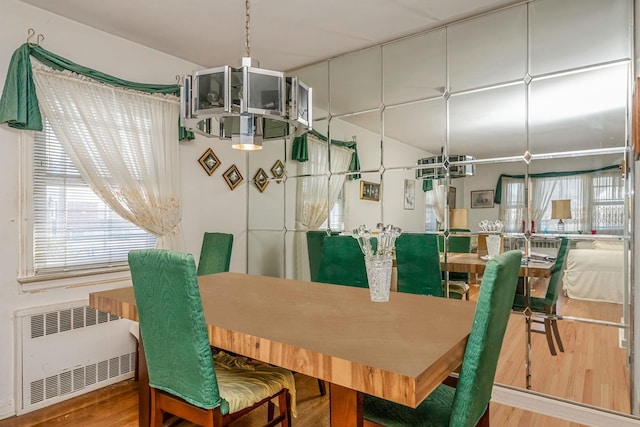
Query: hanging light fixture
[(245, 105)]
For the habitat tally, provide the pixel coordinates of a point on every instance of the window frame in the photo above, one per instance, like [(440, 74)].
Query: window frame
[(27, 279)]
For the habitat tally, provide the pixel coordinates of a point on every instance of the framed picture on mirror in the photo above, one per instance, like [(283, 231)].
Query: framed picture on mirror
[(233, 177), (277, 170), (451, 198), (370, 191), (209, 161), (261, 180), (409, 194), (482, 199)]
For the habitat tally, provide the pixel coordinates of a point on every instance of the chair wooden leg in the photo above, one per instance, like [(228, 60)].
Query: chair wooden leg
[(322, 387), (556, 333), (547, 332), (270, 410), (484, 420)]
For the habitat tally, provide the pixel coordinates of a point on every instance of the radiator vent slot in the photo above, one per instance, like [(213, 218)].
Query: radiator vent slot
[(70, 350)]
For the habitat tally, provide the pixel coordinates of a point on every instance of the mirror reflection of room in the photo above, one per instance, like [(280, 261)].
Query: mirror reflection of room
[(536, 112)]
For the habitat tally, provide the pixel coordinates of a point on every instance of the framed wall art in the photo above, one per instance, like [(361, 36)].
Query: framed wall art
[(451, 198), (261, 180), (482, 199), (409, 194), (209, 161), (370, 191), (233, 177), (277, 170)]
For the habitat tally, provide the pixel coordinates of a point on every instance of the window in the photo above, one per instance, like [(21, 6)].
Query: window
[(73, 229), (597, 202), (336, 216)]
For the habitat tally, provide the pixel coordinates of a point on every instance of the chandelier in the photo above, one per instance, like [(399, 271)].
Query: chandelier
[(245, 105), (438, 166)]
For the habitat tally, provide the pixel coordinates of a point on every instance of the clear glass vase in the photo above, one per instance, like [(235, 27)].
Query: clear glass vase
[(379, 276)]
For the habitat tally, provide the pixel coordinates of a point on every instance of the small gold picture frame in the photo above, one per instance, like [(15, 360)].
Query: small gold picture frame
[(233, 177), (370, 191), (261, 180), (278, 171), (209, 161)]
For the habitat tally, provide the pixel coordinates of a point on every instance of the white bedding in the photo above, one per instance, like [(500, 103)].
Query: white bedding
[(594, 274)]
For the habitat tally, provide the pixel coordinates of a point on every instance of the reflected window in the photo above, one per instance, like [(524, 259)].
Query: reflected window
[(336, 216), (597, 203)]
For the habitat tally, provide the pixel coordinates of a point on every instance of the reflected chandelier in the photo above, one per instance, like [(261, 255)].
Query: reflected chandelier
[(245, 105)]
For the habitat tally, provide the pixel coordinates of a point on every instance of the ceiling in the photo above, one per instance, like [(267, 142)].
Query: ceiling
[(284, 34)]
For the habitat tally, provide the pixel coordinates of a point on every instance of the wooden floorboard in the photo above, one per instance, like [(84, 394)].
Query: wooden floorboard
[(591, 370)]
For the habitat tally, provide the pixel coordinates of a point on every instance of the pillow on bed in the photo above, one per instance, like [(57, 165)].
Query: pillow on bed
[(607, 245)]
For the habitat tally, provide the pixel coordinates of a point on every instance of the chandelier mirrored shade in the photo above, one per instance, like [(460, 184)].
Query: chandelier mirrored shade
[(276, 106), (437, 172)]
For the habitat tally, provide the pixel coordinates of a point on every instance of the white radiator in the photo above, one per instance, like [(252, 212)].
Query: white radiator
[(67, 350)]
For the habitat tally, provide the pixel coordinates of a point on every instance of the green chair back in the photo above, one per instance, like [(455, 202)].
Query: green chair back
[(473, 391), (315, 238), (551, 297), (342, 262), (556, 273), (465, 405), (418, 264), (165, 285), (215, 255)]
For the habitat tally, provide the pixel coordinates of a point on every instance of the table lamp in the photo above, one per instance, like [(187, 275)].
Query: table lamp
[(560, 209), (459, 218)]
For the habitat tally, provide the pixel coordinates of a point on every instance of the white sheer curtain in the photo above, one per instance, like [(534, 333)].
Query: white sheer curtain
[(316, 194), (437, 198), (123, 143), (513, 207), (542, 190)]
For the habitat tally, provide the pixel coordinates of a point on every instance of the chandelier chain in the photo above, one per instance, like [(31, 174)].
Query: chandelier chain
[(247, 48)]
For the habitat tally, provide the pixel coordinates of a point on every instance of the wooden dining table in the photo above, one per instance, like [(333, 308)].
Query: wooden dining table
[(399, 350), (474, 264)]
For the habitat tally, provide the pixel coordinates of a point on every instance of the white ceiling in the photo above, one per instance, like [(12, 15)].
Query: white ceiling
[(284, 34)]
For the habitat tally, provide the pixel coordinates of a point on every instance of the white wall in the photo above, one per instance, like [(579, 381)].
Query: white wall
[(208, 204)]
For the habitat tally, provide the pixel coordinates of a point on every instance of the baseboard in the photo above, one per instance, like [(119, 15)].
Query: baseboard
[(562, 409), (7, 409)]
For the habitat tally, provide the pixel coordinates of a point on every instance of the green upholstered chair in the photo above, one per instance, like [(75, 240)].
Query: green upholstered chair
[(215, 255), (418, 266), (342, 262), (182, 378), (547, 304), (468, 404), (315, 238)]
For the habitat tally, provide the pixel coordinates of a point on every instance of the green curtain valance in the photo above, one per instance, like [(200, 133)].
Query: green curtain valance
[(498, 193), (427, 184), (300, 151), (19, 104)]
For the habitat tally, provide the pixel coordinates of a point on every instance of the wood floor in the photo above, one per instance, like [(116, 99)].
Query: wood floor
[(117, 405), (591, 370)]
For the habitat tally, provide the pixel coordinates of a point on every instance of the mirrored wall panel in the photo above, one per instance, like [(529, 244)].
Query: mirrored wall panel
[(513, 123)]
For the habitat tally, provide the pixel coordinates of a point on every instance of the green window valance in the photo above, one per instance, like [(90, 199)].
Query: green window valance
[(498, 193), (427, 184), (19, 104), (300, 151)]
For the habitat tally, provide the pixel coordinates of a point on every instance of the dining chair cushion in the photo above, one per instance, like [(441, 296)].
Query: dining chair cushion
[(466, 404), (243, 381), (215, 255)]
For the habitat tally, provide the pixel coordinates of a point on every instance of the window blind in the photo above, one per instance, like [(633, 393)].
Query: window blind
[(73, 228)]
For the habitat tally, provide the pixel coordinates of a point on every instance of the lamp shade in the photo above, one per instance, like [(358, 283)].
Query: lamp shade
[(560, 209), (458, 218)]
